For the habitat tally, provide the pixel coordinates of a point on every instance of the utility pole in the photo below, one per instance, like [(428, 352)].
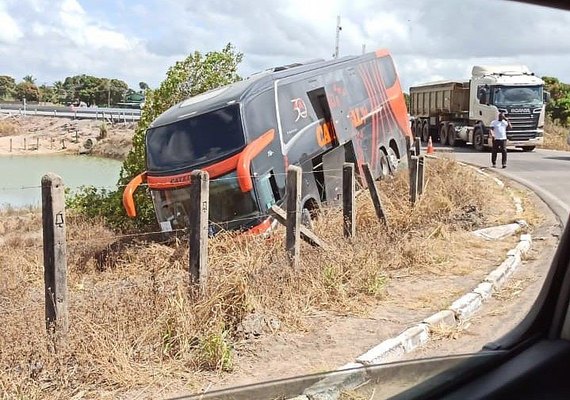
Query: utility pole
[(338, 29), (364, 49)]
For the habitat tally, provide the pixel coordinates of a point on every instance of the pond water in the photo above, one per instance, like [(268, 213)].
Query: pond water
[(20, 180)]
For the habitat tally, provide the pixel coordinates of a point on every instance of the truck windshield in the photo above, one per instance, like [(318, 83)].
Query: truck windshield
[(517, 95), (194, 141), (229, 206)]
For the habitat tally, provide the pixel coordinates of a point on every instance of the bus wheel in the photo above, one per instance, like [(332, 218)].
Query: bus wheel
[(309, 213), (393, 159), (478, 139), (384, 167)]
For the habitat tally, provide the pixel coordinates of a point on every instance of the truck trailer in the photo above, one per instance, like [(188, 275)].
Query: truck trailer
[(458, 112)]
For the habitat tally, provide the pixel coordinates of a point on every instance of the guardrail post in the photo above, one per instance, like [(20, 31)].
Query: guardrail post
[(198, 227), (414, 180), (374, 194), (348, 200), (293, 223), (421, 175), (55, 254)]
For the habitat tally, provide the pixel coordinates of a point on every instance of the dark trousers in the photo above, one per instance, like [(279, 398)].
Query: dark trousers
[(499, 145)]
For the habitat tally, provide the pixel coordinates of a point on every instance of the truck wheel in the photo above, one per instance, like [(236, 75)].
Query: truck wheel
[(528, 148), (418, 129), (443, 136), (451, 135), (478, 139), (425, 132)]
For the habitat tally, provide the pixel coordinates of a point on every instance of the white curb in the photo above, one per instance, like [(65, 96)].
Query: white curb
[(388, 350), (463, 308), (467, 305)]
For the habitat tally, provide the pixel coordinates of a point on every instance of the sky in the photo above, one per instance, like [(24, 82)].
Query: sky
[(138, 40)]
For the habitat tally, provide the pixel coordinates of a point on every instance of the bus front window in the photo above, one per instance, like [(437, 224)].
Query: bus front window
[(230, 208), (189, 142)]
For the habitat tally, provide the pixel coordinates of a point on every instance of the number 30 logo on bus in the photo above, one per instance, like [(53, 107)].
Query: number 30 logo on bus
[(300, 108)]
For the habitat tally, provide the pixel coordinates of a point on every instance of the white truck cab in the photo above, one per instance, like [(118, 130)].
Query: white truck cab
[(515, 91)]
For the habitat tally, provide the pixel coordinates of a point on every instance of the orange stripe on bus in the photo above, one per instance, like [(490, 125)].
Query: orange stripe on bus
[(248, 154), (181, 180), (128, 200)]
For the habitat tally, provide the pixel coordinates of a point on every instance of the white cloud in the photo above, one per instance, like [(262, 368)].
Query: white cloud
[(429, 39), (10, 32)]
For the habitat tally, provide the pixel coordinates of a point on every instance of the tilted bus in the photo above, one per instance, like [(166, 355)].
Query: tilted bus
[(245, 135)]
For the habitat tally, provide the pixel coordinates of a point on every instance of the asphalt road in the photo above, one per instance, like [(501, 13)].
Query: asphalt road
[(546, 172)]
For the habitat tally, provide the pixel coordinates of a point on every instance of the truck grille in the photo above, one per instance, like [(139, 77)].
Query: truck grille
[(523, 126)]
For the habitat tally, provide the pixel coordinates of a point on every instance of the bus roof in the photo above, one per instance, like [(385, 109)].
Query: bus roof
[(238, 91)]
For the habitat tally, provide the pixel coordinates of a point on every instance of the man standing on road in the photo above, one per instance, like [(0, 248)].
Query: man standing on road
[(499, 135)]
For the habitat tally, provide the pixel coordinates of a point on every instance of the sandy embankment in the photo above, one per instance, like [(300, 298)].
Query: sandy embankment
[(31, 135)]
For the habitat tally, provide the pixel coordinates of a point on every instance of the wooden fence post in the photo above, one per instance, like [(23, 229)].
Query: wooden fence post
[(374, 194), (421, 175), (10, 145), (348, 200), (198, 227), (293, 223), (414, 180), (25, 145), (55, 253)]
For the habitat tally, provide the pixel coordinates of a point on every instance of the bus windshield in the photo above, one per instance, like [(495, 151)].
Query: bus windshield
[(230, 208), (194, 141), (517, 95)]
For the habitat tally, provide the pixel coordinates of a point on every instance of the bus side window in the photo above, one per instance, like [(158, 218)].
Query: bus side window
[(268, 191)]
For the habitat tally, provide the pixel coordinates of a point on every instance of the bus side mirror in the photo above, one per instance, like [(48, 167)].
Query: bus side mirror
[(546, 96)]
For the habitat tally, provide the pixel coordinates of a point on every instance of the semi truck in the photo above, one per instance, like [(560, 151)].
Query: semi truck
[(458, 112)]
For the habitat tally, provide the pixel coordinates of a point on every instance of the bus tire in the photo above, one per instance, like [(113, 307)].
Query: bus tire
[(393, 159), (384, 164), (306, 218)]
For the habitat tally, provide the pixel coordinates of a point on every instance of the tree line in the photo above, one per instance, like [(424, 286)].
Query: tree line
[(87, 89), (558, 108)]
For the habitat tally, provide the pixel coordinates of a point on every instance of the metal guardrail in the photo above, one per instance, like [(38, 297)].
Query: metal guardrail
[(106, 114)]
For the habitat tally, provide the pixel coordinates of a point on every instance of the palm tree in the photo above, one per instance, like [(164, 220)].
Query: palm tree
[(29, 79)]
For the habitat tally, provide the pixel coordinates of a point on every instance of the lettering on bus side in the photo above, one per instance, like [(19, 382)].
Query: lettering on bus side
[(180, 179), (324, 134), (357, 116)]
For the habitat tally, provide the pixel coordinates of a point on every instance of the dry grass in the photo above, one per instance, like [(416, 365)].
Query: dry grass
[(8, 128), (555, 136), (135, 323)]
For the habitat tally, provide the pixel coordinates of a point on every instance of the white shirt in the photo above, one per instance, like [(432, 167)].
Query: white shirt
[(500, 129)]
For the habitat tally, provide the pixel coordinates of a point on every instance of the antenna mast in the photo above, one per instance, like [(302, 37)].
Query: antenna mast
[(338, 29)]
